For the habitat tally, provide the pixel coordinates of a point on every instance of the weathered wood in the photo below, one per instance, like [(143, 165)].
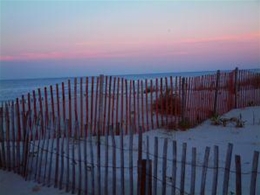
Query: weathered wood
[(81, 108), (46, 104), (183, 164), (113, 162), (254, 173), (42, 139), (204, 171), (146, 105), (76, 99), (100, 128), (74, 139), (227, 169), (151, 103), (216, 92), (122, 106), (122, 161), (156, 103), (131, 180), (41, 111), (87, 109), (126, 108), (138, 105), (139, 161), (106, 158), (109, 111), (164, 166), (193, 171), (92, 163), (238, 175), (52, 103), (183, 99), (161, 102), (166, 100), (94, 133), (34, 105), (52, 137), (142, 105), (57, 138), (85, 150), (148, 172), (13, 136), (63, 104), (79, 163), (68, 134), (215, 173), (62, 160), (7, 138), (70, 111), (47, 138), (155, 167), (117, 101), (92, 104), (134, 97), (105, 107), (2, 138), (113, 102), (174, 166)]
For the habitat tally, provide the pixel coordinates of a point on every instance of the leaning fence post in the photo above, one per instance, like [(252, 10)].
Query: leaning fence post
[(238, 175), (183, 100), (216, 93), (227, 169), (254, 173)]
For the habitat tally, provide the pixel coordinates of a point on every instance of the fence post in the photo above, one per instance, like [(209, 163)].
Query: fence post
[(216, 93), (100, 123), (254, 173), (183, 100), (227, 169), (238, 175), (139, 162), (236, 86)]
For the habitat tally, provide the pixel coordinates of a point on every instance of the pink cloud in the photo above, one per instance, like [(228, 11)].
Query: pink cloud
[(145, 48)]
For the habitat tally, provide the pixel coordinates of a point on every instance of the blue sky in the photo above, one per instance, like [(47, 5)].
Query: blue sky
[(79, 38)]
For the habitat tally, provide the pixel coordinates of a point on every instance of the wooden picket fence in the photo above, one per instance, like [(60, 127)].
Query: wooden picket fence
[(173, 102), (124, 164), (57, 135)]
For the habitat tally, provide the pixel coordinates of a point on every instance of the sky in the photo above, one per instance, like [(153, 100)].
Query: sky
[(42, 39)]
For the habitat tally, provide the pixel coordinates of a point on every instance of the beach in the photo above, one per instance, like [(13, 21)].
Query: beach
[(245, 141)]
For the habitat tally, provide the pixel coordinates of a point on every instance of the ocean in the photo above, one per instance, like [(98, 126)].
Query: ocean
[(12, 89)]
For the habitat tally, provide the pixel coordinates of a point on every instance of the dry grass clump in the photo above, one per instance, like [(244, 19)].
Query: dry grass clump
[(236, 121), (168, 104)]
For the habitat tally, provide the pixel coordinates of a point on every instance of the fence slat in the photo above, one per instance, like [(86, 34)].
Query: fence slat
[(238, 175), (113, 162), (106, 159), (204, 171), (122, 160), (227, 169), (139, 162), (85, 149), (254, 173), (92, 163), (174, 166), (155, 165), (52, 136), (183, 164), (215, 173), (164, 165), (193, 171), (131, 186)]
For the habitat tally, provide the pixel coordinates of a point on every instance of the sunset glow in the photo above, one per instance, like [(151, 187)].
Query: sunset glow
[(132, 35)]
